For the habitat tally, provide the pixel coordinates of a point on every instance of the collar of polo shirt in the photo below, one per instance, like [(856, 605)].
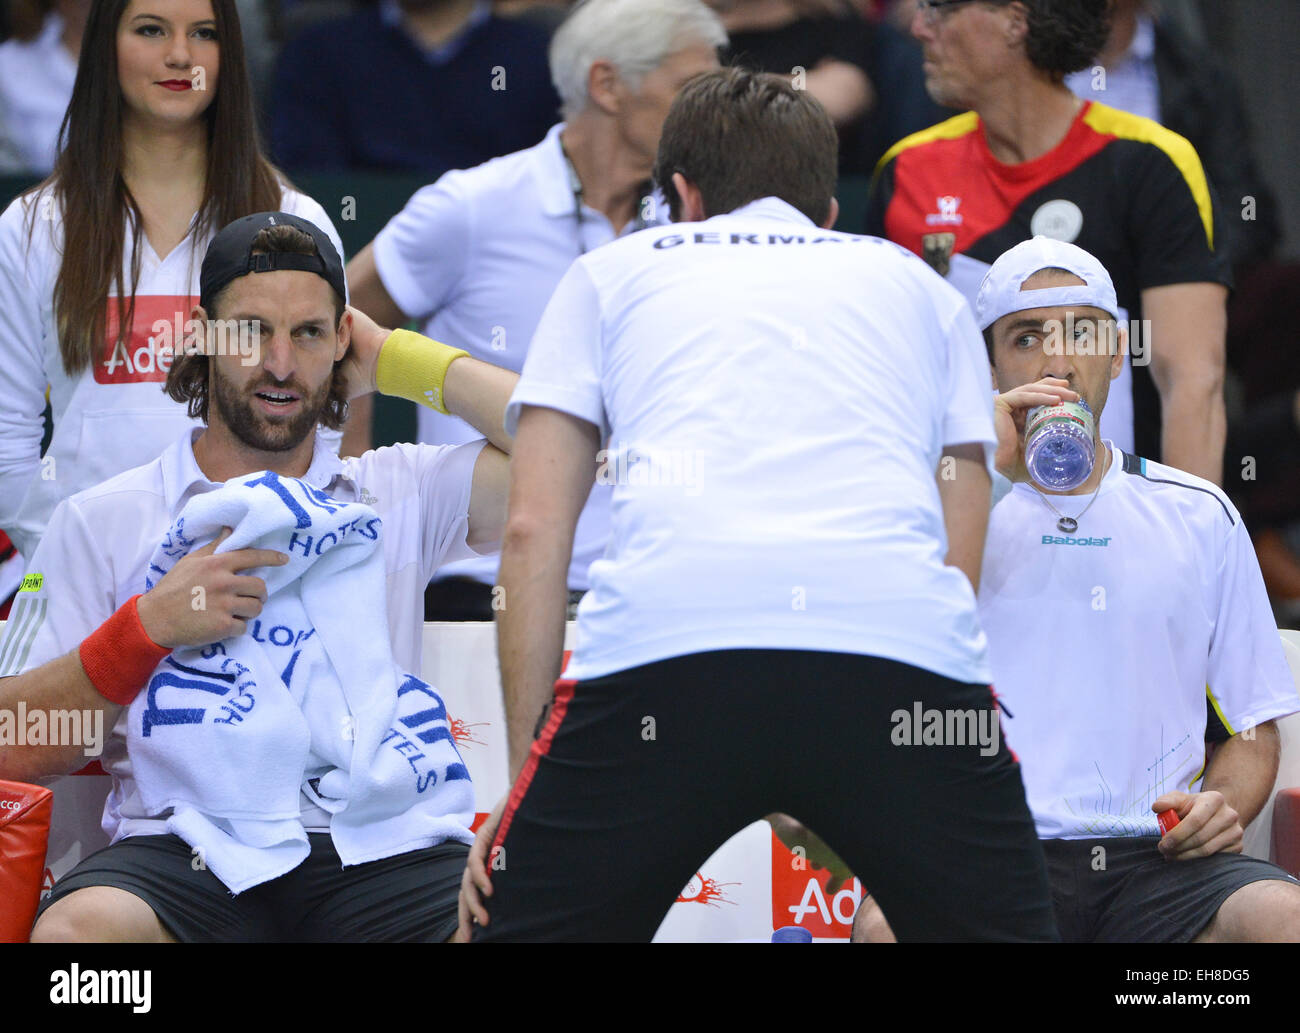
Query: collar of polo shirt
[(552, 172), (181, 473)]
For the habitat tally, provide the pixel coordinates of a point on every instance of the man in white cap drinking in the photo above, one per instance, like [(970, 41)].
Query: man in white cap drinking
[(1131, 642)]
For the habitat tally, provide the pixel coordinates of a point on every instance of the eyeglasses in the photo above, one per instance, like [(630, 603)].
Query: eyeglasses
[(932, 9)]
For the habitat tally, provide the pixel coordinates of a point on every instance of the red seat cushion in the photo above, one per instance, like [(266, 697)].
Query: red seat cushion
[(1286, 830), (24, 833)]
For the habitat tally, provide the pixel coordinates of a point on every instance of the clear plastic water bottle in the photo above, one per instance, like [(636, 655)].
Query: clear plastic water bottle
[(1059, 450)]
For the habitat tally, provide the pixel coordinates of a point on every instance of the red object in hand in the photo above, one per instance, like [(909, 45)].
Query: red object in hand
[(1167, 820)]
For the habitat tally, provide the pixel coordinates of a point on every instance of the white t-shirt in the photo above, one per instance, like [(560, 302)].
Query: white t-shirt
[(775, 398), (36, 80), (479, 253), (113, 415), (1106, 643), (97, 550)]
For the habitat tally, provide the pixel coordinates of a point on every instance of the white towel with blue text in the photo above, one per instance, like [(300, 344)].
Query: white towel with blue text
[(308, 700)]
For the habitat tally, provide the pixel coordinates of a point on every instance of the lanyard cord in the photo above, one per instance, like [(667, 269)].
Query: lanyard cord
[(575, 184)]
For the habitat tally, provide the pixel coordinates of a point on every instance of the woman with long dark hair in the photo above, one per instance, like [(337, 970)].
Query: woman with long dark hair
[(99, 264)]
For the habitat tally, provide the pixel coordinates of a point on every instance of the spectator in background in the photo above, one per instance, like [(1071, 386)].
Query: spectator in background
[(1032, 159), (1264, 436), (1153, 69), (410, 86), (823, 45), (476, 255), (864, 70), (257, 21), (99, 264), (38, 66), (903, 106)]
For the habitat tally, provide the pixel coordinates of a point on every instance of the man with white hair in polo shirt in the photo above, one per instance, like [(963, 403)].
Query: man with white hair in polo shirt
[(1127, 625), (476, 255)]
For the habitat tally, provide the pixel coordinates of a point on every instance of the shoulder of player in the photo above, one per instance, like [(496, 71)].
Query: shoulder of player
[(130, 487), (1194, 496), (396, 467)]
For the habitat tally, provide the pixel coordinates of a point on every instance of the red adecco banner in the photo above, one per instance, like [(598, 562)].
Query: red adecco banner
[(803, 896)]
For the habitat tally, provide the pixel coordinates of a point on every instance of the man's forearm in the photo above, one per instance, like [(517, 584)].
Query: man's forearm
[(964, 491), (530, 629), (1194, 427), (58, 686), (477, 392), (1244, 771), (408, 365), (1185, 348)]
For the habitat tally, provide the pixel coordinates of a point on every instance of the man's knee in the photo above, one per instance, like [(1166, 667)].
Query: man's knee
[(870, 925), (100, 914), (1267, 911)]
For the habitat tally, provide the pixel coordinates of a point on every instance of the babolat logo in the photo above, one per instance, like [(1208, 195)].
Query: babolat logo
[(1051, 540)]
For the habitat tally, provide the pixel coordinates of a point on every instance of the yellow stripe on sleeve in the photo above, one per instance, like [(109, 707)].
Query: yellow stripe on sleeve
[(1219, 710), (949, 129), (1134, 127)]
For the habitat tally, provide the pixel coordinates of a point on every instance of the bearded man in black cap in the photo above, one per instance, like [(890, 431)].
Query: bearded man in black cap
[(273, 285)]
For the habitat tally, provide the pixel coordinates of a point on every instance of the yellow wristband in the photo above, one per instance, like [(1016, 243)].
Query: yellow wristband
[(413, 366)]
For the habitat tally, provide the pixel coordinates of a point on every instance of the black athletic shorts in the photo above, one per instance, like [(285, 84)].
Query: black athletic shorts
[(636, 778), (1122, 890), (408, 897)]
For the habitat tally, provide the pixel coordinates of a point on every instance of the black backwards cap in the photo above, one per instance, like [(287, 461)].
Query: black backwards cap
[(229, 255)]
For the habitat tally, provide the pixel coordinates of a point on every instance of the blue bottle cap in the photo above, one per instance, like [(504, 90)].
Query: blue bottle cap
[(791, 934)]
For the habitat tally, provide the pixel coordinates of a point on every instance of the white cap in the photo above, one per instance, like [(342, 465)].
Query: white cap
[(1000, 293)]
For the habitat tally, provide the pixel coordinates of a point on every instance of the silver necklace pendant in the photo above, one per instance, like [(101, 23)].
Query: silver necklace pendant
[(1067, 524)]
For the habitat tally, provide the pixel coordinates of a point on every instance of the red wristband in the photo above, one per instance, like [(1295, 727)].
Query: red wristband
[(119, 655)]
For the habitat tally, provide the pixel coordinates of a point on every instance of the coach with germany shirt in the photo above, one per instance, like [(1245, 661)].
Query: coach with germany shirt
[(1028, 159), (798, 426)]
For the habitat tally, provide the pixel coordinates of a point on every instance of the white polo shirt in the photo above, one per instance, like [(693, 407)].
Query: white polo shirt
[(97, 550), (113, 415), (1107, 643), (776, 399), (479, 253)]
